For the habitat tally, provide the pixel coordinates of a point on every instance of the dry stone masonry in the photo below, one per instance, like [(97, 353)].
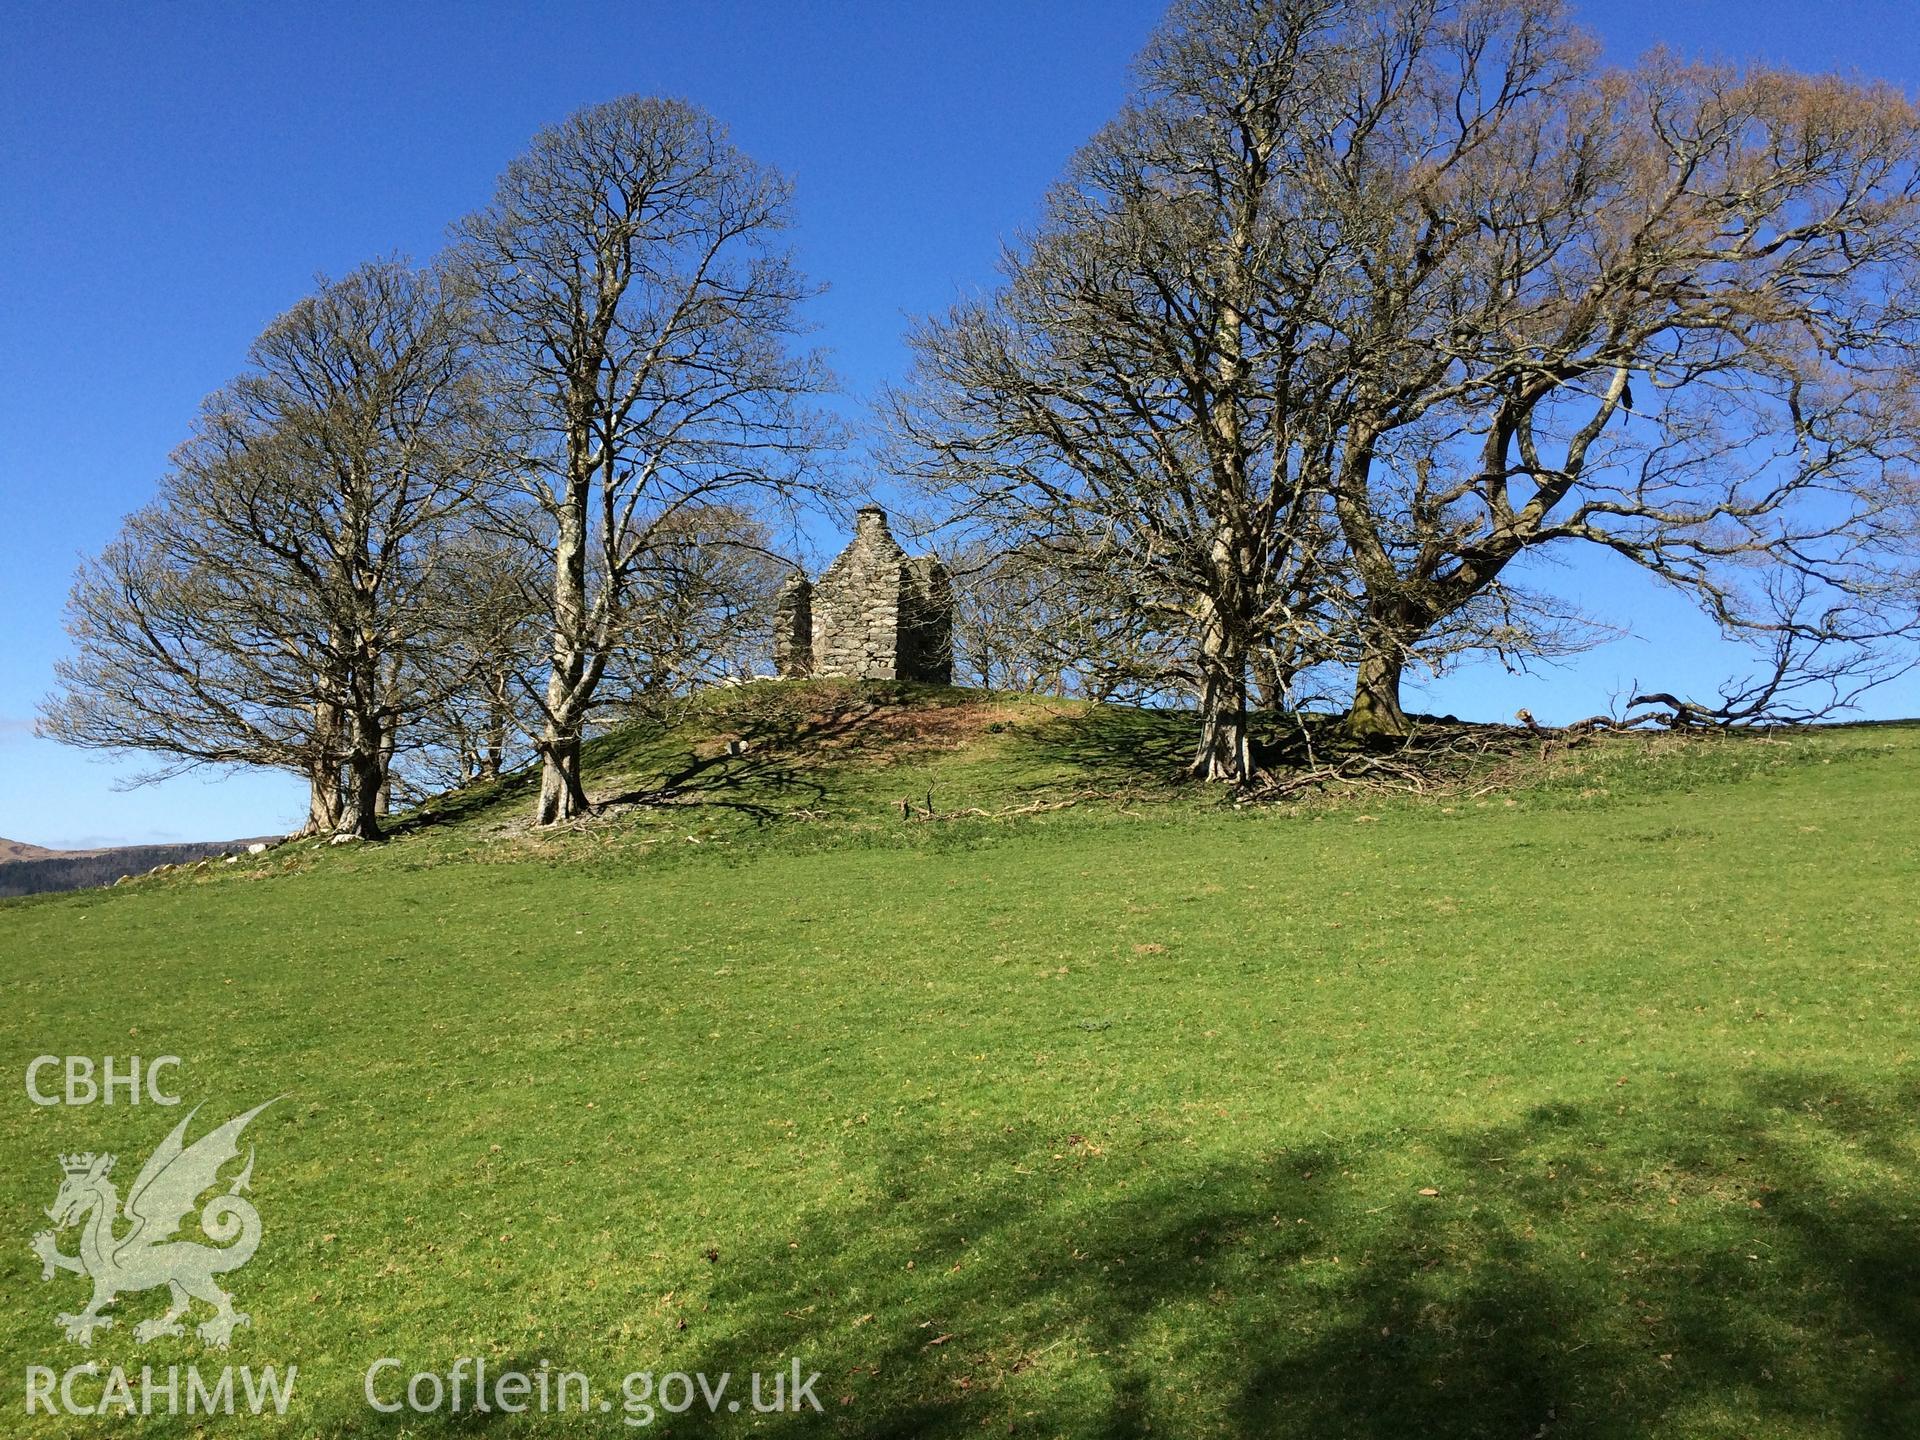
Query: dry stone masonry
[(876, 614)]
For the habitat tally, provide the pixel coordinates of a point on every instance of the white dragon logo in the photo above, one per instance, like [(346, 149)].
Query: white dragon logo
[(147, 1256)]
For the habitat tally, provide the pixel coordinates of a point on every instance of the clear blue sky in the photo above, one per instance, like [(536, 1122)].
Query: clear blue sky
[(173, 176)]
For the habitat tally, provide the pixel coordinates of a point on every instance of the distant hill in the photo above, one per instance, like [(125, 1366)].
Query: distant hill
[(35, 870), (20, 850)]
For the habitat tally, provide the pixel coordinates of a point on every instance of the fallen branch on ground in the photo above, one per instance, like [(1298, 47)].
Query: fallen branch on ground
[(974, 812)]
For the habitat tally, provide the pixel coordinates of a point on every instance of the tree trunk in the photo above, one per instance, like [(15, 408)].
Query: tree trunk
[(1272, 682), (323, 799), (323, 771), (493, 750), (384, 805), (1225, 752), (561, 794), (1226, 745), (366, 778), (1376, 714)]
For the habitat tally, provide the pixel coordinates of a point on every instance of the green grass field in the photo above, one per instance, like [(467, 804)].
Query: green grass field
[(1581, 1108)]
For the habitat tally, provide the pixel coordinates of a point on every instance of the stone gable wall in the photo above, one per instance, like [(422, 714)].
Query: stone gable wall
[(874, 615), (926, 622), (793, 627)]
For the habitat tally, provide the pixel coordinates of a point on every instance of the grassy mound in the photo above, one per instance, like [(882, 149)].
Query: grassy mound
[(1579, 1107)]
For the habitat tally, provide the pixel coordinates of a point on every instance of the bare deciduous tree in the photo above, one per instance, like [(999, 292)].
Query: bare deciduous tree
[(1016, 623), (1148, 395), (481, 662), (700, 610), (185, 656), (1360, 301), (628, 274), (1669, 312), (263, 608)]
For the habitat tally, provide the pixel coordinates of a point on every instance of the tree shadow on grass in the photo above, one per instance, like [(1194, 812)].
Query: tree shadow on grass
[(1739, 1259), (1115, 746), (1689, 1269), (455, 807), (774, 751), (771, 759), (1145, 748), (764, 753)]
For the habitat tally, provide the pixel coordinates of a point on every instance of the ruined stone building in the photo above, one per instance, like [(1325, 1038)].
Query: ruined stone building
[(876, 614)]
